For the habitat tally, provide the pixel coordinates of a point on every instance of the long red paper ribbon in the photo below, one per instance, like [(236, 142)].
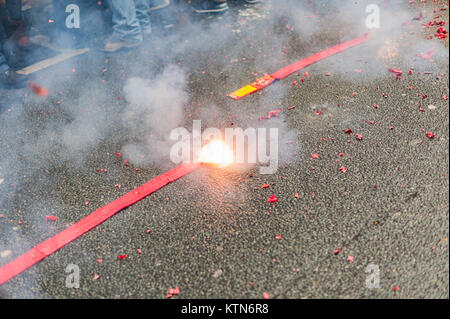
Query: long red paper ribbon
[(51, 245), (284, 72)]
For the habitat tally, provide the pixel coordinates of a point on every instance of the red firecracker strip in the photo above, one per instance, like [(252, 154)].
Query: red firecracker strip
[(58, 241), (268, 79)]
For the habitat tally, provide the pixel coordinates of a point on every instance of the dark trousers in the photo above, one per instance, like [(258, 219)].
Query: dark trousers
[(14, 8), (3, 65)]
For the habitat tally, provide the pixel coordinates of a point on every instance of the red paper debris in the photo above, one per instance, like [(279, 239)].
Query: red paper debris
[(395, 288), (266, 295), (419, 17), (38, 90), (272, 199), (430, 135), (396, 71), (348, 131), (271, 114), (427, 55), (433, 23), (441, 33), (350, 259), (173, 292), (278, 237), (359, 137), (122, 257), (53, 218), (315, 156), (343, 169), (265, 186)]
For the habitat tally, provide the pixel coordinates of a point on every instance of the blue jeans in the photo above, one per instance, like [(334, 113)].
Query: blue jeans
[(130, 19)]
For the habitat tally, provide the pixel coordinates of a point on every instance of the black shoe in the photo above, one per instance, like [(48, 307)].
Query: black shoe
[(253, 1), (9, 79), (210, 6)]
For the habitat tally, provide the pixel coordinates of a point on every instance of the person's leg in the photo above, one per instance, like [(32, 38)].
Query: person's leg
[(125, 23), (3, 65), (8, 78), (20, 37), (143, 16), (14, 8)]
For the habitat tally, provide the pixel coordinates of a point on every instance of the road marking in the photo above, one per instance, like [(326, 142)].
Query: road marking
[(51, 61), (5, 253)]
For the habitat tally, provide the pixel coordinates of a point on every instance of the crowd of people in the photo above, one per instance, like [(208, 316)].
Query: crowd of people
[(8, 77), (131, 25)]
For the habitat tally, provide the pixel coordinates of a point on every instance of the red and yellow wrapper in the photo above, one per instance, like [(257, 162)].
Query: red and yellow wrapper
[(268, 79), (259, 84)]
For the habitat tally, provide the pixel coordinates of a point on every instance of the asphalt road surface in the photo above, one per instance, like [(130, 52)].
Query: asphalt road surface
[(361, 210)]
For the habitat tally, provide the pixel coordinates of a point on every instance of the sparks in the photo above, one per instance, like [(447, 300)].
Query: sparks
[(217, 152)]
